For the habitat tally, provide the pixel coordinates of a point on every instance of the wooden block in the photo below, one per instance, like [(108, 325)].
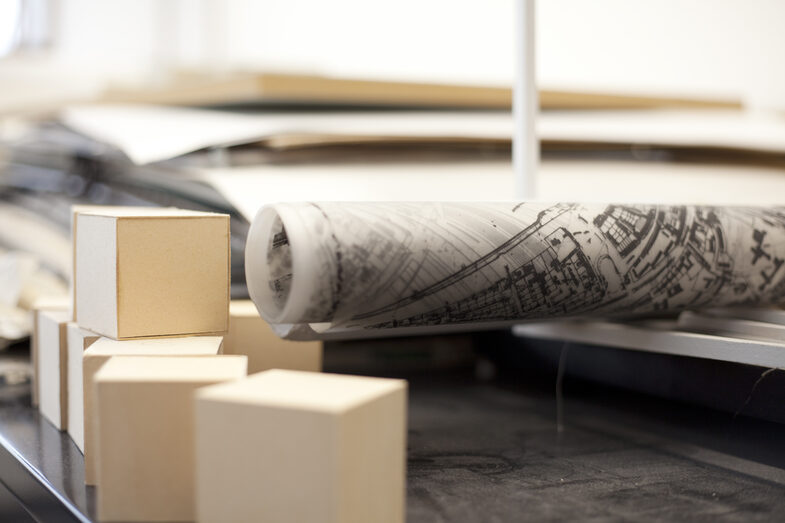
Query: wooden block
[(301, 446), (78, 340), (53, 303), (52, 368), (145, 408), (250, 335), (152, 272), (102, 350)]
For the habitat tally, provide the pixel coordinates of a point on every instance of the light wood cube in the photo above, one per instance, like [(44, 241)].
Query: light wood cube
[(250, 335), (52, 368), (301, 446), (44, 303), (102, 350), (152, 272), (78, 340), (145, 412)]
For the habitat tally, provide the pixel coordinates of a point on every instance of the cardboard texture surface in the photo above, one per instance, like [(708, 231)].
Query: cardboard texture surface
[(78, 340), (301, 446), (145, 409), (250, 335), (56, 303), (52, 371), (102, 350), (152, 272)]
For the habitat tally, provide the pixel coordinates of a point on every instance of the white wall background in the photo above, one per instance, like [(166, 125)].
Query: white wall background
[(719, 48)]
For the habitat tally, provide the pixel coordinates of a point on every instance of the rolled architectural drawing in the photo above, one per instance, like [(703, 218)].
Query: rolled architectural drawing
[(378, 269)]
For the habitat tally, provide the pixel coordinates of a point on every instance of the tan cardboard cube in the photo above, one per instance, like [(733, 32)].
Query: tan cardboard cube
[(152, 272), (250, 335), (52, 367), (102, 350), (78, 340), (44, 303), (301, 446), (145, 408)]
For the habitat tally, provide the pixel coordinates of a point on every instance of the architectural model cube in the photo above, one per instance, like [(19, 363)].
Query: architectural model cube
[(301, 446), (145, 433), (250, 335), (52, 368), (78, 339), (75, 210), (152, 272), (53, 303), (102, 350)]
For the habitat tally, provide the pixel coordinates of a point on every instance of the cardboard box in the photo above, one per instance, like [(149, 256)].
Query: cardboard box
[(78, 340), (250, 335), (152, 272), (301, 446), (145, 408), (102, 350), (44, 303), (52, 368)]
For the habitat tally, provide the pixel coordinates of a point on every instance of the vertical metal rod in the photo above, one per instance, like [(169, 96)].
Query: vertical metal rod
[(525, 145)]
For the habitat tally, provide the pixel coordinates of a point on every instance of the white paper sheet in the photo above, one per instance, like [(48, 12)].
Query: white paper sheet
[(694, 128), (248, 188), (149, 133)]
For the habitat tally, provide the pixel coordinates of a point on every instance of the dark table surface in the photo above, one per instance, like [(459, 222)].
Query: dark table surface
[(491, 451)]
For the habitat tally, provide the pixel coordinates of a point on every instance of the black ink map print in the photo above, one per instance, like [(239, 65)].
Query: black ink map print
[(399, 265)]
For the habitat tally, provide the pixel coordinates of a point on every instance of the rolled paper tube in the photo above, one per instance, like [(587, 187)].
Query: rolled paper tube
[(375, 266)]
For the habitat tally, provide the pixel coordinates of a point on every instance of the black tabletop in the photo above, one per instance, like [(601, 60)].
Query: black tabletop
[(492, 451)]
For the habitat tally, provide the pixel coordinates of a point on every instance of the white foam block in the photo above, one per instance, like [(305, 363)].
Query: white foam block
[(250, 335), (102, 350), (145, 409), (44, 303), (52, 370), (78, 340), (152, 272), (301, 446)]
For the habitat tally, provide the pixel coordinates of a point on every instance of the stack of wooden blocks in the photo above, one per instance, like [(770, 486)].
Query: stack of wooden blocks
[(145, 366)]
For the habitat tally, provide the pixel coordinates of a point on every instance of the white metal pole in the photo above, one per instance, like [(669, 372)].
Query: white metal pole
[(525, 144)]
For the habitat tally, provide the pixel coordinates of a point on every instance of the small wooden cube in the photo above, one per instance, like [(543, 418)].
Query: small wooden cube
[(301, 446), (145, 410), (152, 272), (78, 340), (250, 335), (44, 303), (52, 368), (102, 350)]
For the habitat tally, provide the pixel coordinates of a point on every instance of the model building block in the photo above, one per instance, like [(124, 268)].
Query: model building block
[(78, 340), (102, 350), (44, 303), (250, 335), (152, 272), (145, 408), (301, 446), (52, 372), (75, 210)]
